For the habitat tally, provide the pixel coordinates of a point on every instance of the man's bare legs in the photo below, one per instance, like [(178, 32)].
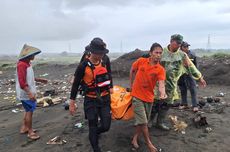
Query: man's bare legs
[(27, 126), (144, 129), (135, 137), (24, 128)]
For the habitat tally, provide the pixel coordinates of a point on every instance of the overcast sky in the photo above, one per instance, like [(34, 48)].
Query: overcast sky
[(69, 25)]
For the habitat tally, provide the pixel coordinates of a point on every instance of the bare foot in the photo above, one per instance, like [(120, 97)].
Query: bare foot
[(151, 147), (24, 129), (135, 144), (33, 136)]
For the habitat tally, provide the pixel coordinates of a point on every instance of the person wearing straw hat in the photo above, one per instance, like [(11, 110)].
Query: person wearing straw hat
[(26, 89)]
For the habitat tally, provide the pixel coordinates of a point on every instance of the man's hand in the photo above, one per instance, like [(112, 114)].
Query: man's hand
[(202, 82), (31, 96), (163, 96), (72, 107), (111, 90)]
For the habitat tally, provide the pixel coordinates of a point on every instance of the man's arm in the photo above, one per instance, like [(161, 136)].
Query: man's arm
[(108, 67), (161, 88), (22, 72), (79, 73), (132, 75), (191, 69)]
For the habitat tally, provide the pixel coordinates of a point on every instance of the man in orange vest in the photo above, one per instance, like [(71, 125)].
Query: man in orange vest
[(95, 79)]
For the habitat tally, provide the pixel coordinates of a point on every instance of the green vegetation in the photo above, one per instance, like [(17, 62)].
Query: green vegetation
[(221, 55), (209, 53)]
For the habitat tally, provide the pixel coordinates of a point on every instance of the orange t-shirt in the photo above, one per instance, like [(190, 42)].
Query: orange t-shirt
[(145, 79), (89, 79)]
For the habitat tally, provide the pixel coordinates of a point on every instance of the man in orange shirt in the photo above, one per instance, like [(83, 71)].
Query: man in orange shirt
[(144, 74)]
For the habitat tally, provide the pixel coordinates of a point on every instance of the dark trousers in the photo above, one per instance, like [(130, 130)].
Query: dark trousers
[(94, 109), (186, 82), (160, 108)]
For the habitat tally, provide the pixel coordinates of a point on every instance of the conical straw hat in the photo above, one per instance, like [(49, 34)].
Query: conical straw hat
[(28, 51)]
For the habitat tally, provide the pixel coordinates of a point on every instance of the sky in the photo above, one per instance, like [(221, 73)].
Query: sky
[(69, 25)]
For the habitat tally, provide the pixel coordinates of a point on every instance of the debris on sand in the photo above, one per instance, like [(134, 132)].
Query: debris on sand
[(44, 75), (179, 126), (55, 82), (201, 103), (48, 101), (208, 130), (78, 125), (51, 92), (199, 120), (216, 99), (16, 110), (214, 107), (210, 99), (56, 141), (8, 82), (1, 72), (220, 94)]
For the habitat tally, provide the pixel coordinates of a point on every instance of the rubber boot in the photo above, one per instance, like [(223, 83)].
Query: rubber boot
[(160, 120), (154, 112), (151, 120)]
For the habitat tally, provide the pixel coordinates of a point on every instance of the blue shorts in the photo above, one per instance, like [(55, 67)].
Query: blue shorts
[(29, 105)]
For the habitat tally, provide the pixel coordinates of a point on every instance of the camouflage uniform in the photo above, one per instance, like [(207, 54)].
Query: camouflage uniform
[(174, 64), (174, 67)]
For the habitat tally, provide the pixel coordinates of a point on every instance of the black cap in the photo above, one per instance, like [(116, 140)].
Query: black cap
[(185, 44), (97, 46)]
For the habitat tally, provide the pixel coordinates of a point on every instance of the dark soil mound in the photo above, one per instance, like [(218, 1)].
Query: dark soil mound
[(121, 66), (215, 70)]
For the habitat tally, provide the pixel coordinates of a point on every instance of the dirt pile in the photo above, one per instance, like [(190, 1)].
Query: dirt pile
[(121, 66), (216, 70)]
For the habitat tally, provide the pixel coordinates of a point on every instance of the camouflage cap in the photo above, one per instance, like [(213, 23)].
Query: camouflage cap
[(28, 51), (178, 38)]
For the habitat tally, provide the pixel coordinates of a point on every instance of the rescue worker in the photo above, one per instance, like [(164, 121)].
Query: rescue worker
[(95, 80)]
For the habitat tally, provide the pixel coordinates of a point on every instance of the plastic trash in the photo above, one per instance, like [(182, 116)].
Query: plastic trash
[(44, 75), (78, 125), (66, 105), (210, 99), (208, 130), (220, 94), (200, 120), (16, 110), (56, 141), (179, 126)]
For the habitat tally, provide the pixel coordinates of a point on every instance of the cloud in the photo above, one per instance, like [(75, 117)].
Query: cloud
[(54, 24)]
